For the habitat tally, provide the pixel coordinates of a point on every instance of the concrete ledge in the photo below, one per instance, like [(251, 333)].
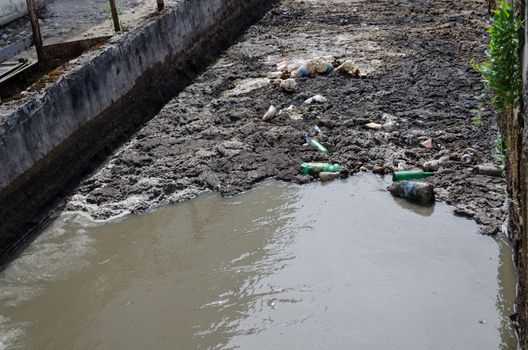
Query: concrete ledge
[(61, 133)]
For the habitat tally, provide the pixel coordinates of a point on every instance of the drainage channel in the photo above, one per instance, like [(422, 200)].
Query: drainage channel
[(282, 266), (28, 200)]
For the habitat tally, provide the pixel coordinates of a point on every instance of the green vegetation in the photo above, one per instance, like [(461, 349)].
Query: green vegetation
[(478, 113), (502, 71)]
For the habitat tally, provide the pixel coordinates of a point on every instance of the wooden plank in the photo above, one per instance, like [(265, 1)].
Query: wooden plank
[(33, 17), (115, 16)]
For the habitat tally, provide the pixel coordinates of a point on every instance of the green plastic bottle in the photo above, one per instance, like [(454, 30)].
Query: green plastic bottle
[(411, 175), (315, 144), (315, 168)]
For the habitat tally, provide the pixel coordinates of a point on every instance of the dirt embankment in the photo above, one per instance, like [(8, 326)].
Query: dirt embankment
[(416, 56)]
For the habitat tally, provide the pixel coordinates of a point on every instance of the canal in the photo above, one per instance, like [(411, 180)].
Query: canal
[(321, 266)]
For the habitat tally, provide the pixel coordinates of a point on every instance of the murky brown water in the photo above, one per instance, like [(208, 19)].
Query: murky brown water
[(337, 266)]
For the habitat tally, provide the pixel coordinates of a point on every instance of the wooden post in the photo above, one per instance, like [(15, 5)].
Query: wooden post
[(37, 37), (161, 5), (115, 16)]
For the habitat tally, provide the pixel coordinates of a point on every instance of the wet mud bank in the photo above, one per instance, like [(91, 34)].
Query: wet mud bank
[(56, 135), (415, 56)]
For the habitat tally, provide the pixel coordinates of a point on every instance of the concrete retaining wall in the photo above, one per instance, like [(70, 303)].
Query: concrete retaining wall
[(42, 124), (11, 10), (57, 135)]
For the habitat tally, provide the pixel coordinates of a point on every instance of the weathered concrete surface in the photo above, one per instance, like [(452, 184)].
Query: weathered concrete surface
[(13, 9), (515, 135), (59, 132)]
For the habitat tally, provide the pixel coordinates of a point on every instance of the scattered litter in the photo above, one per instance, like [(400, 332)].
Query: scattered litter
[(311, 141), (325, 176), (285, 75), (434, 165), (270, 114), (317, 99), (468, 159), (401, 166), (421, 192), (274, 75), (315, 168), (378, 169), (427, 143), (288, 85), (301, 72), (313, 132), (319, 65), (410, 175), (390, 126), (315, 144), (470, 156), (348, 67), (488, 169), (283, 65), (374, 126), (455, 156), (410, 140), (292, 112), (246, 85)]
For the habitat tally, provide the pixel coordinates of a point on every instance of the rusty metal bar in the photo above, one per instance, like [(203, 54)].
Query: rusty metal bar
[(37, 37), (161, 5), (115, 16)]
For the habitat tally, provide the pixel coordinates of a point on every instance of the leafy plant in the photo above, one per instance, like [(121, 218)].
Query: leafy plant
[(500, 154), (502, 72), (478, 113)]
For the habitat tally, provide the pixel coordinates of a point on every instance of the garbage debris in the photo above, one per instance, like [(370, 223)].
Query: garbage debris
[(325, 176), (317, 99), (410, 140), (373, 126), (420, 192), (488, 170), (245, 86), (434, 165), (468, 159), (348, 67), (455, 156), (313, 132), (470, 156), (315, 169), (283, 65), (270, 114), (274, 75), (315, 144), (292, 112), (320, 65), (390, 126), (427, 143), (288, 85), (285, 75), (379, 169), (311, 141), (410, 175)]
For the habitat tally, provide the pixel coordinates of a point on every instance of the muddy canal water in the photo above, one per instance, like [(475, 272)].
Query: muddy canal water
[(336, 266)]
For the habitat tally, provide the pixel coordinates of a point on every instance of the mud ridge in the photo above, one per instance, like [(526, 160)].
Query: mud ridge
[(416, 55)]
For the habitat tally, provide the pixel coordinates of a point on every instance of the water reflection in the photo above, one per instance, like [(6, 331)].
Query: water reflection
[(281, 266), (506, 293), (423, 210)]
